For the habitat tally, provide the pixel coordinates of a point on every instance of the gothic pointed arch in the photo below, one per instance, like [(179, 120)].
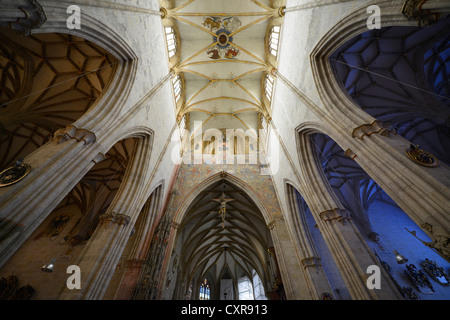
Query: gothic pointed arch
[(239, 238), (49, 81)]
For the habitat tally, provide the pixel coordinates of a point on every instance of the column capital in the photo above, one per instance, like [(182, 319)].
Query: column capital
[(368, 129), (72, 132), (412, 10), (311, 262), (114, 217), (334, 214)]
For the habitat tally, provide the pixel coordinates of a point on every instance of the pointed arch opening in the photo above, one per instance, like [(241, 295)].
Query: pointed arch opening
[(222, 236), (386, 228)]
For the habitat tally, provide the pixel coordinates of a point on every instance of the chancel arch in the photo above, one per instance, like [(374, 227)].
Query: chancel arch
[(222, 230)]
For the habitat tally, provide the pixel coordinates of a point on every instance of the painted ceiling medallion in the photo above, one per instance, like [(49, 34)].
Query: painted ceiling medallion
[(223, 39), (14, 174), (421, 157)]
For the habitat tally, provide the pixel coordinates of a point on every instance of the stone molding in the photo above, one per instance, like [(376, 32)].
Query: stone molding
[(412, 10), (114, 217), (368, 129), (311, 262), (24, 18), (349, 153), (334, 214), (72, 132)]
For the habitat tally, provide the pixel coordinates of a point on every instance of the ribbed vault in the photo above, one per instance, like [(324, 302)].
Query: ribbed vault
[(222, 57), (94, 193), (47, 81), (234, 247), (399, 75)]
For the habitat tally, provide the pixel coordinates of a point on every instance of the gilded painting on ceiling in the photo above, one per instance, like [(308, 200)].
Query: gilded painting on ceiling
[(223, 28)]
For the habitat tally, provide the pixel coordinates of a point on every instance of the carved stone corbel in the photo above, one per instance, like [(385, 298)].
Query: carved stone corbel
[(311, 262), (24, 16), (368, 129), (114, 217), (349, 153), (271, 225), (72, 132), (334, 214), (412, 10)]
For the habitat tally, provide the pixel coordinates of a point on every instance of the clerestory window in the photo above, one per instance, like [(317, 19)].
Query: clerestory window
[(171, 43), (274, 40)]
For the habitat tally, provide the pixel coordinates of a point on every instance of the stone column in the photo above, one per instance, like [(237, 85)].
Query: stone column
[(306, 250), (348, 248), (143, 235), (99, 258), (421, 192), (56, 168), (295, 284)]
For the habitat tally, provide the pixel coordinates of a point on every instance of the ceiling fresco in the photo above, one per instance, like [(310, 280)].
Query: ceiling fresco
[(223, 59)]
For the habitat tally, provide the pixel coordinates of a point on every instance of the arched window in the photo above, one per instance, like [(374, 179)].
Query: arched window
[(245, 289), (258, 288), (176, 82), (205, 291), (171, 43), (268, 85), (274, 40)]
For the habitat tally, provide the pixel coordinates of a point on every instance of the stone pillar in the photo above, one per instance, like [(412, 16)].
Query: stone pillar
[(143, 234), (99, 258), (306, 250), (56, 168), (295, 285), (348, 248), (421, 191)]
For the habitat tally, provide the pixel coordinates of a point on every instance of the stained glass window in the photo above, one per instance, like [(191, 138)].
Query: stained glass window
[(205, 291)]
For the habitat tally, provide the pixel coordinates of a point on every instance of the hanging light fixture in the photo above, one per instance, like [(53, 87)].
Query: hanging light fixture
[(400, 259), (49, 266)]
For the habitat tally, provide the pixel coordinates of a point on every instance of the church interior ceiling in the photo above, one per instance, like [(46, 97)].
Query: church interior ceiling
[(47, 81), (384, 72), (235, 243), (222, 58)]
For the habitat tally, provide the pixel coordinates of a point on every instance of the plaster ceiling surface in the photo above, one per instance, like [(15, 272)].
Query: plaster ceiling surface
[(223, 60)]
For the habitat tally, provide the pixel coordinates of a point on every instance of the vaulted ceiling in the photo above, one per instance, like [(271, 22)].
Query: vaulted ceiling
[(47, 81), (222, 59), (399, 75), (235, 246)]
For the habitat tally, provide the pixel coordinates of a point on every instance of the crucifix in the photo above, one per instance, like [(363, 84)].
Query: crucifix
[(223, 207)]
